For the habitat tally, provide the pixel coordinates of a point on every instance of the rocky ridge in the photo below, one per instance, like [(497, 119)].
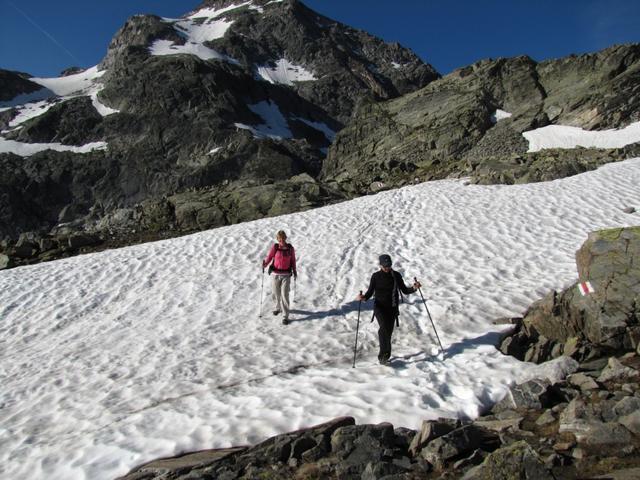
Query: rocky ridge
[(578, 417), (451, 127)]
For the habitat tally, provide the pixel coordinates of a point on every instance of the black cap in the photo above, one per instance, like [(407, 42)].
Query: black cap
[(385, 260)]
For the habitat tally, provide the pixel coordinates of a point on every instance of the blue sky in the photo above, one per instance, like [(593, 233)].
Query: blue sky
[(43, 37)]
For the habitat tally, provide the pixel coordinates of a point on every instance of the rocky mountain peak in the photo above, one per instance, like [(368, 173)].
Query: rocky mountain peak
[(228, 111)]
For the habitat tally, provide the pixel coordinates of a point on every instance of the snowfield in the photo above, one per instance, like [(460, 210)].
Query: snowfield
[(563, 136), (112, 359)]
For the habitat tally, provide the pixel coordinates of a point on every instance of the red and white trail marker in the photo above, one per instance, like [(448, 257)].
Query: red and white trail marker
[(586, 288)]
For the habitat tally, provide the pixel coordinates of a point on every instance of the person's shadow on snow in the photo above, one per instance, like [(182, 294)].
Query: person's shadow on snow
[(403, 361), (342, 311), (491, 338)]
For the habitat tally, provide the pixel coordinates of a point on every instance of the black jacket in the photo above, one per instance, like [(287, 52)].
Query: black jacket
[(382, 285)]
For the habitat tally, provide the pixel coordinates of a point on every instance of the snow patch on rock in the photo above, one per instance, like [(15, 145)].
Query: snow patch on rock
[(562, 136), (275, 125), (27, 149), (499, 115), (284, 72)]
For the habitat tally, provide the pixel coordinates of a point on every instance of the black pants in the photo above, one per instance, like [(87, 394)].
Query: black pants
[(386, 317)]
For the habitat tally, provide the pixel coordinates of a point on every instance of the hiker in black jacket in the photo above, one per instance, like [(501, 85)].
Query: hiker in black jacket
[(385, 284)]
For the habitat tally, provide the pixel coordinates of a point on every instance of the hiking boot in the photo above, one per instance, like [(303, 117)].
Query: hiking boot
[(276, 312), (285, 321)]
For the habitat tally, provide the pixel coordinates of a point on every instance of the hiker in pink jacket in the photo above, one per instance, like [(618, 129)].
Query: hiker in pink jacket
[(283, 256)]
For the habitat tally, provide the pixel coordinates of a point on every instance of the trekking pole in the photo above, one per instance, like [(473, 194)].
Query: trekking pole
[(427, 308), (295, 288), (261, 287), (355, 347)]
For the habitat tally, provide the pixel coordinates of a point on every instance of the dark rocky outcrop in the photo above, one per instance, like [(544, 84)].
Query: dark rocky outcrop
[(447, 127), (587, 326), (74, 122), (176, 160), (13, 84)]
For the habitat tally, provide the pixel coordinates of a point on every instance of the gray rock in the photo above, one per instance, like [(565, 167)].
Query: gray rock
[(593, 325), (5, 262), (517, 460), (546, 418), (379, 470), (632, 422), (80, 240), (359, 445), (25, 250), (404, 437), (507, 321), (457, 444), (626, 406), (48, 243), (182, 464), (499, 425), (431, 429), (616, 371), (629, 210), (476, 458), (582, 381), (583, 421), (531, 394)]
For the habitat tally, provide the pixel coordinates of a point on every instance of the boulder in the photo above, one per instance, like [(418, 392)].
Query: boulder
[(615, 371), (431, 429), (79, 240), (514, 461), (459, 443), (380, 470), (546, 418), (631, 422), (5, 262), (404, 437), (627, 406), (587, 326), (584, 422), (499, 425), (359, 445), (584, 382), (531, 394), (181, 464)]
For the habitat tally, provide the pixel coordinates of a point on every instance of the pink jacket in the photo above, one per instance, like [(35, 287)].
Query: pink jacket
[(284, 259)]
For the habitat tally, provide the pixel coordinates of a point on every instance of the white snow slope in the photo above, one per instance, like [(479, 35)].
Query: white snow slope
[(111, 359)]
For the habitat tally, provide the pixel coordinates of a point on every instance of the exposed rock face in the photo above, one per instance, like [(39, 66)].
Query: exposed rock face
[(74, 122), (587, 326), (201, 139), (447, 128), (13, 84)]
